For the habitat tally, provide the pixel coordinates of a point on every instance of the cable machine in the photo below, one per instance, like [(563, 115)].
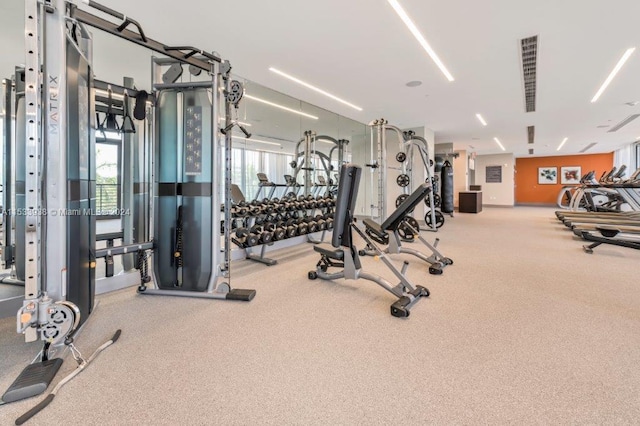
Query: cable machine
[(59, 183)]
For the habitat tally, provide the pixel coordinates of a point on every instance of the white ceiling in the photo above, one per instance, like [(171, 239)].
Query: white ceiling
[(361, 51)]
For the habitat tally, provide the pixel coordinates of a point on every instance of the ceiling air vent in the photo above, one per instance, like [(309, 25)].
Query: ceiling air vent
[(531, 151), (529, 56), (623, 123), (588, 147), (531, 132)]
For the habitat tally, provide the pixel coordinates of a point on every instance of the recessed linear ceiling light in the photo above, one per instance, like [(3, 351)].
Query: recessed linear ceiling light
[(484, 123), (562, 144), (255, 140), (304, 114), (314, 88), (613, 73), (416, 33), (588, 147), (623, 123), (499, 144)]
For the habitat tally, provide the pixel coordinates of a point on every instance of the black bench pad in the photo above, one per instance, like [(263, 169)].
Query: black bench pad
[(329, 251), (375, 227)]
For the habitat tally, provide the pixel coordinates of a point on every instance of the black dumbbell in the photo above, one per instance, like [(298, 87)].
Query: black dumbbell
[(269, 208), (303, 227), (264, 237), (245, 238), (329, 221), (240, 211), (254, 210), (322, 224), (312, 224), (291, 231), (279, 233), (271, 228)]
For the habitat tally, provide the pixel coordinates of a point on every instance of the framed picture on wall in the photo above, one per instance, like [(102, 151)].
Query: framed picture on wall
[(547, 175), (570, 175), (493, 174)]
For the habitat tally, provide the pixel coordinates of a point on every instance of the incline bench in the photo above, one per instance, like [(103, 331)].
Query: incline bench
[(342, 252), (388, 233)]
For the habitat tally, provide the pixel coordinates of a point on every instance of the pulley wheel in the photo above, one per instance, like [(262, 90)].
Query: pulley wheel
[(401, 156), (439, 219), (403, 180), (236, 91)]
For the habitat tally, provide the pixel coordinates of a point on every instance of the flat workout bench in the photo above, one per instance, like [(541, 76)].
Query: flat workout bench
[(342, 253), (387, 233)]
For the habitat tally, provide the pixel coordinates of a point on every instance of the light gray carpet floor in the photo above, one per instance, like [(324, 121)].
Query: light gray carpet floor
[(524, 328)]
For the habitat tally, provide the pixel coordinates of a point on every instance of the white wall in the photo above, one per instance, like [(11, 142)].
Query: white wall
[(496, 194)]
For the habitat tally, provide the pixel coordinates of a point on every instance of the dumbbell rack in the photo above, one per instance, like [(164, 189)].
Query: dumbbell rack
[(264, 223)]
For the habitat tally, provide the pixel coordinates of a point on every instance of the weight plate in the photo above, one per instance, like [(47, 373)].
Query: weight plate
[(439, 219), (401, 199), (403, 180), (401, 156), (412, 222), (436, 200), (404, 231)]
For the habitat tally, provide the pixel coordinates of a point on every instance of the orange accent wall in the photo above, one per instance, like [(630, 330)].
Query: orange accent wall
[(528, 190)]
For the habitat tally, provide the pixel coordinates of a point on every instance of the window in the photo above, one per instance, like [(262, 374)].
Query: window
[(248, 163), (107, 178)]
